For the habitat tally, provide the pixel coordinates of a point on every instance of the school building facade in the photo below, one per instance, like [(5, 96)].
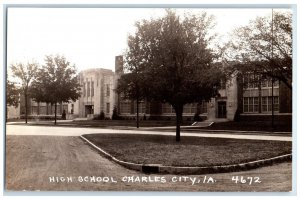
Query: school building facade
[(247, 96)]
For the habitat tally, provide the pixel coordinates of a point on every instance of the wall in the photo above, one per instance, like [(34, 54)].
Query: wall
[(101, 78), (232, 98), (13, 112)]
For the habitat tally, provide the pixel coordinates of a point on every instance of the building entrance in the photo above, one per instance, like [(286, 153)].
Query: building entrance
[(222, 109), (89, 109)]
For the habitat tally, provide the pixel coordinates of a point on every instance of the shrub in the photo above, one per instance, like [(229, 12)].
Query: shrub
[(237, 116), (101, 116), (197, 118), (115, 115)]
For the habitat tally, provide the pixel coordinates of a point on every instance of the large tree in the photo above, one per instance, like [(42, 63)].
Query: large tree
[(174, 60), (131, 86), (264, 46), (56, 82), (12, 95), (25, 75)]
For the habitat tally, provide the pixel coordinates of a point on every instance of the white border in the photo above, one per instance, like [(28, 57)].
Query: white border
[(210, 2)]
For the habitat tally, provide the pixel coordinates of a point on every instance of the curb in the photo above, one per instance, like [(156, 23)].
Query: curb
[(157, 168), (236, 131)]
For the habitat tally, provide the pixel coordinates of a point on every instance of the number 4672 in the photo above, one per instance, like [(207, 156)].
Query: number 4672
[(246, 180)]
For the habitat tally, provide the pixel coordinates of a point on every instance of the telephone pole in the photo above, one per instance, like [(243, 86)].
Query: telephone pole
[(272, 73)]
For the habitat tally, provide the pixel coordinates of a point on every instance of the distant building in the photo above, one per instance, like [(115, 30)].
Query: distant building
[(248, 96), (97, 88), (41, 109), (13, 112)]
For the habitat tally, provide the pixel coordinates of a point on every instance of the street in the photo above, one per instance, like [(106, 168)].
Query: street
[(77, 131), (44, 159)]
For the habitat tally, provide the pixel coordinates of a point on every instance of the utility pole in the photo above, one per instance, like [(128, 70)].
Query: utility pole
[(272, 73)]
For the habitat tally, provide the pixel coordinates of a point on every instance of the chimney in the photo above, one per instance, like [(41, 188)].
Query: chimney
[(119, 65)]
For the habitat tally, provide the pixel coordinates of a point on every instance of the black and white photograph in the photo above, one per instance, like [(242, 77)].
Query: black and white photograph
[(149, 99)]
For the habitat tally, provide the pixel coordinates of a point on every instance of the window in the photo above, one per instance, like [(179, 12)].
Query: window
[(255, 104), (223, 84), (34, 110), (125, 107), (167, 108), (88, 89), (190, 108), (268, 83), (202, 107), (107, 90), (65, 107), (142, 107), (250, 104), (72, 109), (92, 88), (251, 81), (84, 90), (266, 104), (107, 107), (246, 104)]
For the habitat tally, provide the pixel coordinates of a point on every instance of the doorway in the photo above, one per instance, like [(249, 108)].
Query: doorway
[(89, 109), (222, 109)]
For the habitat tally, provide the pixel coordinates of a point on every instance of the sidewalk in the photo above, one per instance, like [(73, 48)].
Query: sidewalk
[(78, 131), (188, 129)]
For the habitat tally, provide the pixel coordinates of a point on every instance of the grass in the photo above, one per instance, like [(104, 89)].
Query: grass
[(132, 123), (251, 126), (240, 126), (190, 151)]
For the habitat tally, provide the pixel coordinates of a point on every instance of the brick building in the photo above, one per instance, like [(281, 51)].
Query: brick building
[(249, 96)]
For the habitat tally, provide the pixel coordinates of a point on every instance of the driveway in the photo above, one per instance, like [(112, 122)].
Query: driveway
[(37, 160)]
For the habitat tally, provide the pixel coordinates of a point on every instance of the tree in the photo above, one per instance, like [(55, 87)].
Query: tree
[(174, 61), (264, 47), (25, 74), (56, 82), (12, 95), (130, 86), (38, 89)]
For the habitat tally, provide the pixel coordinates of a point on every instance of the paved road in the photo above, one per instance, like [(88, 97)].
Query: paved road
[(37, 155), (70, 131), (32, 162)]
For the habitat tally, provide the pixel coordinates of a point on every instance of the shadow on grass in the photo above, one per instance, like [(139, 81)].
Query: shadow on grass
[(190, 151)]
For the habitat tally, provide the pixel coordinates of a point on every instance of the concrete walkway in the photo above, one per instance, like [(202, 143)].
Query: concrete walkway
[(77, 131)]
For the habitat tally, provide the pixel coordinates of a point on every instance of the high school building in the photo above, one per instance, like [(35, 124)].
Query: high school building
[(247, 96)]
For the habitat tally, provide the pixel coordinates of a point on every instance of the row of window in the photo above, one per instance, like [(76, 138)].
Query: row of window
[(88, 89), (43, 110), (189, 108), (125, 107), (251, 104), (252, 81)]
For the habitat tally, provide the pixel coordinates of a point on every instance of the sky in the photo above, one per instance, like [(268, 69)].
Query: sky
[(92, 37)]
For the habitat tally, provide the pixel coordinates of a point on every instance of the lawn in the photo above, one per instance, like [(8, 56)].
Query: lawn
[(252, 126), (241, 126), (190, 151), (131, 123)]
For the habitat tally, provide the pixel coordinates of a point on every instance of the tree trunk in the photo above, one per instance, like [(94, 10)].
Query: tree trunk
[(178, 110), (26, 105), (137, 114), (38, 111), (55, 110)]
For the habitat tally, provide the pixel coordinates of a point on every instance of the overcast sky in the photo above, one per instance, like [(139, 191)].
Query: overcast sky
[(92, 37)]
